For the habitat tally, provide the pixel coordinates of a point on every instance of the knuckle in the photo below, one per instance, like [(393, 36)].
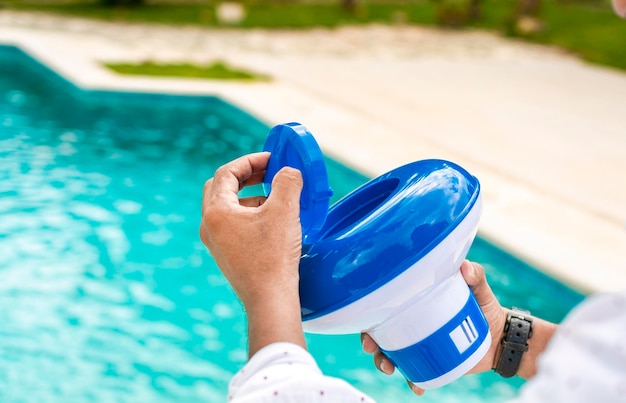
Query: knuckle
[(211, 218), (208, 184), (220, 171)]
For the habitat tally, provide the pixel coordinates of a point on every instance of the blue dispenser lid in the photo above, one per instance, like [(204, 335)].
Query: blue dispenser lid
[(292, 145)]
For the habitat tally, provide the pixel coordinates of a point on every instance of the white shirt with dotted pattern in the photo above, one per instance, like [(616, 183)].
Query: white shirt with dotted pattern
[(285, 372)]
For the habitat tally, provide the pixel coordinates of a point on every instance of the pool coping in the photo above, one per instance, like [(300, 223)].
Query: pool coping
[(517, 217)]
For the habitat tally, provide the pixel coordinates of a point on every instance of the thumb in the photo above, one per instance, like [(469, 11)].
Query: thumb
[(474, 275), (286, 188)]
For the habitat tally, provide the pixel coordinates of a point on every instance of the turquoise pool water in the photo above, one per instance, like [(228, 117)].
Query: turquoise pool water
[(106, 292)]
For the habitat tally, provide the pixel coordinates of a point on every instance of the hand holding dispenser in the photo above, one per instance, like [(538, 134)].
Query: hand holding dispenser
[(385, 259)]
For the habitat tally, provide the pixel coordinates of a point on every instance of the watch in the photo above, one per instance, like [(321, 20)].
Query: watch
[(517, 330)]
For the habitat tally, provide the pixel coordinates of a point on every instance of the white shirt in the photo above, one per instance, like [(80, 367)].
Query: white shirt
[(285, 372), (586, 359), (584, 362)]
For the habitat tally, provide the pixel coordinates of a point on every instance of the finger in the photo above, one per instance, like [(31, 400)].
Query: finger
[(383, 363), (380, 360), (416, 389), (254, 201), (368, 344), (254, 179), (474, 275), (230, 177), (286, 189)]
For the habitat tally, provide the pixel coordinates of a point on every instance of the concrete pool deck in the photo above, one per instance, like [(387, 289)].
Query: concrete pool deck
[(544, 133)]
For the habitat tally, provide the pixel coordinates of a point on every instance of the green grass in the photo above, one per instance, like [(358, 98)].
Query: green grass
[(591, 31), (218, 71), (266, 14), (587, 28)]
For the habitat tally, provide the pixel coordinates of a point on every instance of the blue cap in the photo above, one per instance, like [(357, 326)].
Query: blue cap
[(292, 145)]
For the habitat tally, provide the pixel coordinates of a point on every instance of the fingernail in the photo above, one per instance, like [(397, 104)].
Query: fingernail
[(416, 389), (472, 269)]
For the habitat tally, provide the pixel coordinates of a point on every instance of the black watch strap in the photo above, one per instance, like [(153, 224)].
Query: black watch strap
[(517, 330)]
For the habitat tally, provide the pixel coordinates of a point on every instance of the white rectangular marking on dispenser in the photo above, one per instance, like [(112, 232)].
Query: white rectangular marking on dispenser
[(464, 335)]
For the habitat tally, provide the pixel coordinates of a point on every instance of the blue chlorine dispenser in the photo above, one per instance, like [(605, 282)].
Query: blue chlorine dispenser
[(385, 259)]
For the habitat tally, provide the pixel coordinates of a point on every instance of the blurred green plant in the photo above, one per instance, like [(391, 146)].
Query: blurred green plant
[(587, 28), (259, 14), (217, 70)]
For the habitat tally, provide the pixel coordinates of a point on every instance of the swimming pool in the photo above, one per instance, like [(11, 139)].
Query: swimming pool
[(106, 292)]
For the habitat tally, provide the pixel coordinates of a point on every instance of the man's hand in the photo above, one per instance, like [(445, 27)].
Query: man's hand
[(474, 275), (256, 243)]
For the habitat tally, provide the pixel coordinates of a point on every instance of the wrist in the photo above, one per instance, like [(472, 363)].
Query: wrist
[(542, 334), (274, 317), (269, 287), (522, 339)]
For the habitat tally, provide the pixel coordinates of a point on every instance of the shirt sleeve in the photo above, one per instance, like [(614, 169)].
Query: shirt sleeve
[(586, 359), (285, 372)]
